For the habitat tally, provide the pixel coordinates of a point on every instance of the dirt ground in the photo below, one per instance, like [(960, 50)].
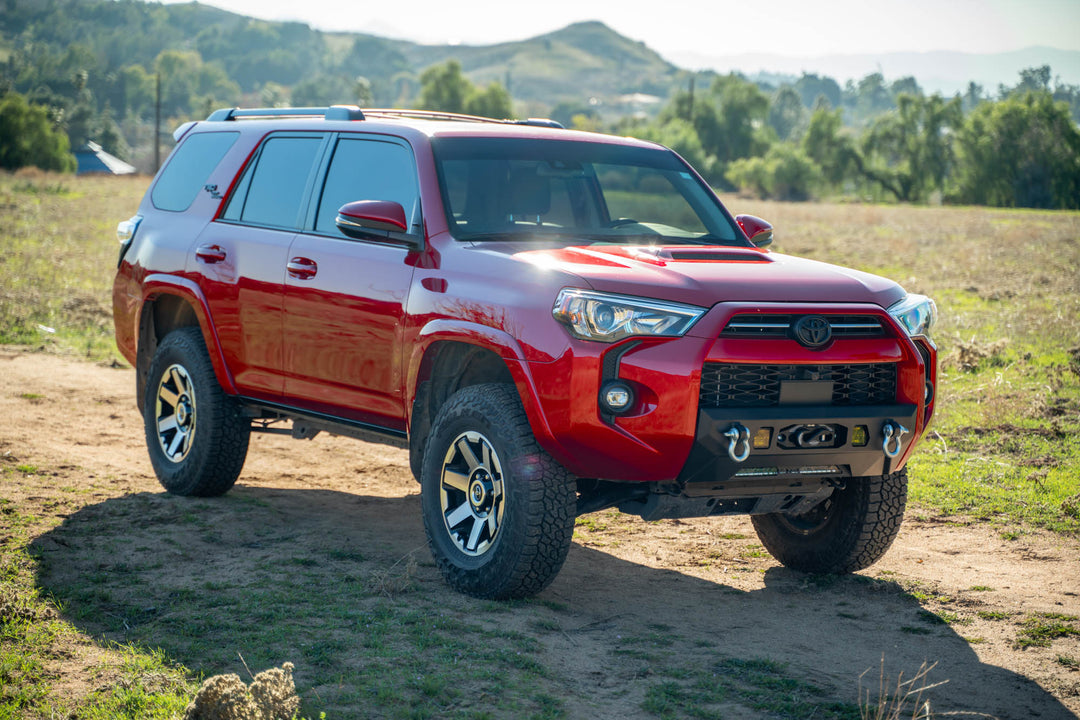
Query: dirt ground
[(77, 422)]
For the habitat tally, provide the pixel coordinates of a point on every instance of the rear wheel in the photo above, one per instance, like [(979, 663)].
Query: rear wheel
[(195, 433), (498, 511), (849, 531)]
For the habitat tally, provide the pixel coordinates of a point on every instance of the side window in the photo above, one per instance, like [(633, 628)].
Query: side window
[(273, 192), (368, 170), (188, 168)]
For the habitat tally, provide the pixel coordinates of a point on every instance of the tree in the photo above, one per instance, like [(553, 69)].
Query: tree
[(27, 137), (680, 136), (444, 87), (811, 87), (909, 151), (492, 102), (784, 173), (829, 147), (1022, 151), (742, 107), (786, 112)]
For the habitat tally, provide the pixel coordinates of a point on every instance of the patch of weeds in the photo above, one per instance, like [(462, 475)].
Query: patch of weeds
[(975, 640), (1010, 534), (993, 614), (732, 536), (946, 617), (31, 396), (822, 581), (1069, 662), (914, 630), (1040, 631), (345, 555), (544, 625), (754, 551), (981, 588), (725, 687), (591, 523)]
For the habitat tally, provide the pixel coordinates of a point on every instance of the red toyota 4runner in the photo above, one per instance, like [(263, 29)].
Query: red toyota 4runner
[(552, 322)]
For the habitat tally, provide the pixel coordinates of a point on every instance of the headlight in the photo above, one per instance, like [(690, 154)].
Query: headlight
[(608, 318), (917, 313)]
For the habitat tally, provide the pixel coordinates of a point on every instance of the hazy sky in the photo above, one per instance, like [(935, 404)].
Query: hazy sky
[(787, 27)]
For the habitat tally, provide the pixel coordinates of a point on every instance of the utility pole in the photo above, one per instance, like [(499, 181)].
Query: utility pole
[(157, 125), (690, 109)]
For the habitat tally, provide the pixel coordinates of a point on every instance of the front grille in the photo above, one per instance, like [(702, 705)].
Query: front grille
[(731, 385), (768, 325)]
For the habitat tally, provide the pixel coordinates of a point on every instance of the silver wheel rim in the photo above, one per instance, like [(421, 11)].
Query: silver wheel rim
[(174, 413), (471, 493)]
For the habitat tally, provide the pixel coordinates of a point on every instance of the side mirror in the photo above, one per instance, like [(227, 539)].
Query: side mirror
[(757, 230), (358, 219)]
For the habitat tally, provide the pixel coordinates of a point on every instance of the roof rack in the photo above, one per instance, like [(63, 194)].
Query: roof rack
[(334, 112), (352, 112)]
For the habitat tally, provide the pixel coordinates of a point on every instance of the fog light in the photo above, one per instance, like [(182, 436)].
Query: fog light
[(616, 397), (860, 436), (929, 393), (762, 438)]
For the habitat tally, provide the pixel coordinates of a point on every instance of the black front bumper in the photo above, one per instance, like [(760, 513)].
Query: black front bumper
[(711, 471)]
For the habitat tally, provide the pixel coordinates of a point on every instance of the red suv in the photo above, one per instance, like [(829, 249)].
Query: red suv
[(552, 322)]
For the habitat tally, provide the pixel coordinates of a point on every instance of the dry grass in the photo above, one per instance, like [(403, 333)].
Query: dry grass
[(58, 233), (271, 696)]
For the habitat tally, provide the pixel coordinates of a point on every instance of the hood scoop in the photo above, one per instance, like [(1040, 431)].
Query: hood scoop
[(707, 254)]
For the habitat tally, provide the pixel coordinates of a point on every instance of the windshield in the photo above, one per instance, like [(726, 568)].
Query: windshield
[(523, 189)]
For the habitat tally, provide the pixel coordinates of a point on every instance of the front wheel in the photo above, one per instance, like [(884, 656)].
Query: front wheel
[(195, 433), (498, 510), (849, 531)]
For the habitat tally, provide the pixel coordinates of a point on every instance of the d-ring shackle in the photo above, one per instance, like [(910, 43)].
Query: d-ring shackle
[(737, 434), (894, 433)]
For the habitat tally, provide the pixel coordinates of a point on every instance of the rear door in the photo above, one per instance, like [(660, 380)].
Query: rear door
[(242, 258), (345, 298)]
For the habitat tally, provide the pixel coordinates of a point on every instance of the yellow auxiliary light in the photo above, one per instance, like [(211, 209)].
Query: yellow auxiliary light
[(762, 438), (860, 436)]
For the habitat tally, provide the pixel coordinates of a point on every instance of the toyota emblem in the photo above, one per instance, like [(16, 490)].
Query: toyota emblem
[(813, 331)]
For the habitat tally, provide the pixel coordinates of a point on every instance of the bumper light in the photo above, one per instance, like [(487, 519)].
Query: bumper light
[(616, 397)]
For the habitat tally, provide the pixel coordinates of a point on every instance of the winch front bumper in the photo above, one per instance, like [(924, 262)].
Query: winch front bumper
[(747, 446)]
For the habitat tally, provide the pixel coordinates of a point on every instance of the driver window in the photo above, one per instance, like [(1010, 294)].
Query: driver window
[(368, 170)]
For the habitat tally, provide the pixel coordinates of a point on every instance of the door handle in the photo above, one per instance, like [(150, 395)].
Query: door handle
[(210, 254), (302, 268)]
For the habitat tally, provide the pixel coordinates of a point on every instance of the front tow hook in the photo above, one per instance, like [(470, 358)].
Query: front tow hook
[(738, 434), (894, 433)]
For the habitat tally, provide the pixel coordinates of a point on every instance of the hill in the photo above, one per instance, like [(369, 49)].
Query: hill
[(103, 36)]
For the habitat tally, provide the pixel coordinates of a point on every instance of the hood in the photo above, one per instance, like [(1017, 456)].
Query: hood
[(706, 275)]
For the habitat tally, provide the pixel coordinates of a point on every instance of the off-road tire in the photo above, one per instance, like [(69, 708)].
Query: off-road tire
[(538, 499), (849, 531), (218, 440)]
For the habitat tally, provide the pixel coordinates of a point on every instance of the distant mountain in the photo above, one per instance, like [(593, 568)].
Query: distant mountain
[(945, 72)]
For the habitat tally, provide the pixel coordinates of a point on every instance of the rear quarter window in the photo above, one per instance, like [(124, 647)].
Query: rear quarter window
[(188, 169)]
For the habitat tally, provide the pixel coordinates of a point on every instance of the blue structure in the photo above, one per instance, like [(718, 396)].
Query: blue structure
[(92, 159)]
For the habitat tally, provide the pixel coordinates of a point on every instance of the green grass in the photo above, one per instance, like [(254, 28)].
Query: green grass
[(1042, 629), (730, 687), (37, 647)]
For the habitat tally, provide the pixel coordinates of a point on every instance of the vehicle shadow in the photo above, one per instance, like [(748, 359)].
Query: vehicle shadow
[(298, 575)]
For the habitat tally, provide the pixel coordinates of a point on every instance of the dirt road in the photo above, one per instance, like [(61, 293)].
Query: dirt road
[(947, 592)]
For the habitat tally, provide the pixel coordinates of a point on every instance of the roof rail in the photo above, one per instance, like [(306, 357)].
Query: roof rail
[(334, 112), (352, 112), (457, 117)]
